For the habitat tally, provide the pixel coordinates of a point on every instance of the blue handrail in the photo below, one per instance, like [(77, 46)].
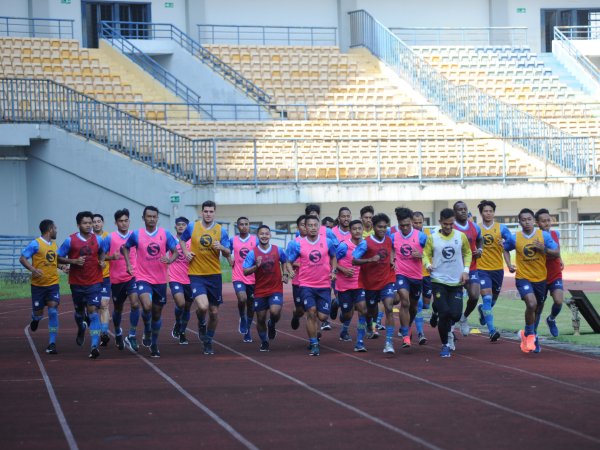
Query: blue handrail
[(468, 103), (116, 39), (264, 35), (148, 30), (578, 33), (36, 27)]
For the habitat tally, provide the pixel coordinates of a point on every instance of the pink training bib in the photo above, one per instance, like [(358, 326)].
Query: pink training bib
[(241, 248), (150, 250), (178, 269), (118, 268), (406, 264), (314, 259), (342, 282), (342, 236)]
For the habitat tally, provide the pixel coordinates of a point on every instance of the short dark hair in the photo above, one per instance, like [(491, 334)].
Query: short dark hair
[(540, 212), (300, 219), (98, 215), (150, 208), (261, 227), (381, 217), (182, 219), (209, 204), (327, 219), (525, 211), (403, 213), (484, 203), (312, 207), (242, 218), (312, 218), (82, 214), (446, 213), (457, 203), (45, 225), (417, 214), (344, 208), (120, 213), (366, 209), (355, 222)]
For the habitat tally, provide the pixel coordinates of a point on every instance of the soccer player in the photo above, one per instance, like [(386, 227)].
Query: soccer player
[(366, 217), (328, 222), (351, 295), (209, 240), (179, 283), (532, 247), (316, 254), (491, 265), (152, 243), (82, 251), (426, 294), (447, 257), (554, 268), (45, 291), (373, 322), (265, 262), (98, 228), (375, 256), (298, 303), (342, 229), (473, 233), (243, 285), (123, 285), (408, 248)]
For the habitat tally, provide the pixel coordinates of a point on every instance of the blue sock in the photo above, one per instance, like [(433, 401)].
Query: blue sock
[(185, 318), (379, 317), (486, 307), (78, 319), (313, 341), (362, 328), (94, 328), (178, 313), (210, 334), (156, 324), (104, 327), (147, 318), (404, 331), (555, 311), (529, 329), (263, 336), (389, 333), (345, 326), (419, 317), (116, 318), (52, 324), (134, 318)]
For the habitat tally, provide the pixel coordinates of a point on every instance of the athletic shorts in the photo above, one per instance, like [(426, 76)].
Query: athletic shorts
[(41, 295), (176, 288), (120, 291), (86, 295), (316, 297), (473, 277), (347, 299), (491, 279), (297, 297), (238, 286), (427, 288), (158, 292), (105, 292), (374, 297), (209, 285), (412, 285), (264, 303), (556, 284), (529, 287)]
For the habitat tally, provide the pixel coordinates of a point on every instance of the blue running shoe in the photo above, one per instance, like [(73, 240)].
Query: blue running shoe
[(314, 350), (243, 326), (147, 339), (537, 345), (445, 352), (248, 337), (360, 347), (552, 325), (344, 336), (481, 315)]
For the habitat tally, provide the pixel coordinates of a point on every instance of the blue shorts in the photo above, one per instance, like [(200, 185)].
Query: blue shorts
[(158, 292), (427, 287), (491, 279), (209, 285), (86, 295), (316, 297), (556, 284), (374, 297), (120, 291), (529, 287), (180, 287), (238, 286), (347, 299), (473, 277), (412, 285), (41, 295), (297, 297), (264, 303), (105, 291)]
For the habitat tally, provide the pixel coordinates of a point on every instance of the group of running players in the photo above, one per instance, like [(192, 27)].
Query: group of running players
[(336, 267)]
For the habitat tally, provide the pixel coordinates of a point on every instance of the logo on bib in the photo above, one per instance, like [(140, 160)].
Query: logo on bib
[(488, 239), (85, 251), (448, 252), (529, 250), (206, 240), (244, 252), (315, 256), (383, 254), (50, 256), (406, 250), (153, 249)]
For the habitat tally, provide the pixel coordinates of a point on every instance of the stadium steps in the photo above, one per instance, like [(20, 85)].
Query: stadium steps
[(561, 71)]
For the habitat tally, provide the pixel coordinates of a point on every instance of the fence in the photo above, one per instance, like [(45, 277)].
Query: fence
[(566, 34), (10, 252), (463, 36), (40, 28), (465, 102), (265, 35)]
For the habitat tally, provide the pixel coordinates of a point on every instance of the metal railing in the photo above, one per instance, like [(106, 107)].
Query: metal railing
[(266, 35), (155, 31), (462, 36), (566, 34), (181, 90), (468, 103), (10, 252), (41, 28)]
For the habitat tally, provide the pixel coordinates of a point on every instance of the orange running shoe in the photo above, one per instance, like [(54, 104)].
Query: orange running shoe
[(524, 348), (531, 342), (406, 341)]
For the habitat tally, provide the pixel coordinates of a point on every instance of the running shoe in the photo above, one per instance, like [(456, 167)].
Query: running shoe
[(445, 352), (154, 353), (422, 339), (369, 334), (104, 339), (132, 342), (243, 326), (264, 346), (94, 353), (314, 350), (465, 329), (119, 342), (344, 336), (433, 321), (51, 349), (175, 331), (147, 339), (208, 348), (537, 345), (451, 344), (552, 325), (295, 322), (523, 339), (335, 306), (183, 339), (271, 330), (389, 348), (325, 325), (33, 325), (80, 339), (248, 338), (531, 342), (494, 336), (374, 335), (481, 315), (360, 347), (379, 326), (406, 342)]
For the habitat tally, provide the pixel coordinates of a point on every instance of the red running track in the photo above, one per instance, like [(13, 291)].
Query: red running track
[(485, 396)]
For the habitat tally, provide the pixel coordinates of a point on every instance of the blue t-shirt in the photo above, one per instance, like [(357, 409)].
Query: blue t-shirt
[(250, 259), (32, 248)]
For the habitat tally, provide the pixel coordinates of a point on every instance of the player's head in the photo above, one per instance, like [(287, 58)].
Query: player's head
[(312, 226), (543, 219), (122, 220), (84, 221), (487, 209), (381, 222), (328, 222), (404, 217), (150, 216), (526, 219), (264, 234), (243, 225), (301, 224), (447, 217), (366, 215), (97, 222), (47, 227), (312, 210), (461, 211), (418, 220), (344, 217), (181, 224), (356, 229), (207, 211)]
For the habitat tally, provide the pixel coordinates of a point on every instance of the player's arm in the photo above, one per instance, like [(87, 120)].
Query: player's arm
[(467, 258), (186, 236), (428, 254), (283, 260), (131, 242), (27, 253), (171, 247), (223, 244), (510, 245), (478, 243), (422, 242), (342, 251), (292, 253), (101, 253), (231, 259), (331, 247), (251, 264), (63, 253), (551, 248), (359, 253)]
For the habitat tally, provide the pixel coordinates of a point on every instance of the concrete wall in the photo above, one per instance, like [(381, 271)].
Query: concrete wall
[(11, 8)]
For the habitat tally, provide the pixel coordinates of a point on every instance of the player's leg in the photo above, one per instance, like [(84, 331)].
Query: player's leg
[(78, 297), (361, 308), (52, 306), (473, 292), (486, 316), (346, 301), (119, 295), (242, 298), (260, 310), (104, 311), (275, 303), (185, 315), (558, 297), (312, 326), (372, 299), (455, 308), (528, 334), (38, 301), (214, 289), (387, 299), (403, 294), (159, 299), (179, 307), (249, 311), (416, 308), (298, 307), (444, 323), (93, 301), (145, 296), (134, 314)]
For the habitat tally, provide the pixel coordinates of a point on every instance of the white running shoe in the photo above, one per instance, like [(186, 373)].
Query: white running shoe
[(389, 348), (451, 345), (464, 326)]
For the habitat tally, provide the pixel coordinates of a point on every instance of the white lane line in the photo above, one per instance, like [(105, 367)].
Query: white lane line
[(341, 403), (21, 380), (461, 394), (14, 310)]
